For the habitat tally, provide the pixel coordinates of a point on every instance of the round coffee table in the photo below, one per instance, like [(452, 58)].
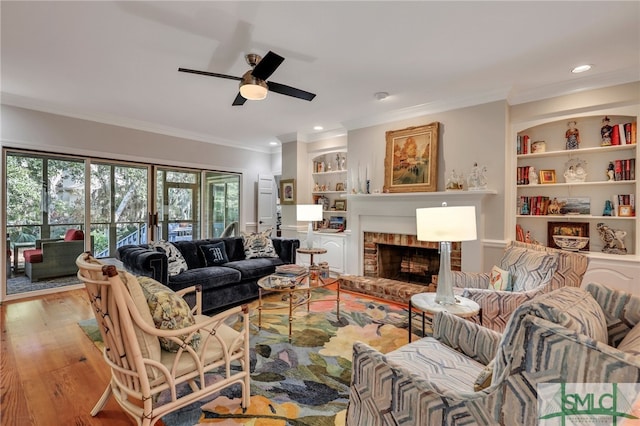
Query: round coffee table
[(291, 293), (426, 303)]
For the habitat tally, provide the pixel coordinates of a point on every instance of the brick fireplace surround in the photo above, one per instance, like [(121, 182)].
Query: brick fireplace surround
[(391, 218)]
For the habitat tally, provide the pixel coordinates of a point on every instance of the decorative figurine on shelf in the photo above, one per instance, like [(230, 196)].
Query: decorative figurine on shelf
[(605, 132), (455, 182), (613, 239), (608, 208), (328, 166), (343, 161), (555, 207), (533, 176), (477, 180), (573, 135), (610, 171), (338, 165), (316, 187), (575, 170)]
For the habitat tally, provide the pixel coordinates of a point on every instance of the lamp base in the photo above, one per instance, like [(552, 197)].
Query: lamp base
[(310, 236), (444, 292)]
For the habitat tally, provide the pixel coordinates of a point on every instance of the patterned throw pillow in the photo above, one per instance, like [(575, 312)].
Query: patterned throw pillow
[(528, 269), (631, 342), (169, 312), (176, 262), (214, 254), (499, 279), (258, 244)]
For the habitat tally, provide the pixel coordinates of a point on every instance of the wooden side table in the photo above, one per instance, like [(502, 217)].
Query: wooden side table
[(426, 303), (311, 252)]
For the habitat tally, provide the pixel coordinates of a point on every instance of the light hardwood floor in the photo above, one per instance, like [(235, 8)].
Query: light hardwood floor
[(51, 373)]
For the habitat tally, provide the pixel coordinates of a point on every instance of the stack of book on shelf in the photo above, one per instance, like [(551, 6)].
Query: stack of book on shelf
[(624, 169), (628, 203), (624, 134)]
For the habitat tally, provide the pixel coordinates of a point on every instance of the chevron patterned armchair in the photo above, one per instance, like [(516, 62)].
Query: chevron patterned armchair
[(534, 270), (468, 374)]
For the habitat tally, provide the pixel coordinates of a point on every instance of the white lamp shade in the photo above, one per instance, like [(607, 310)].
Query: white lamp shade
[(456, 223), (308, 212)]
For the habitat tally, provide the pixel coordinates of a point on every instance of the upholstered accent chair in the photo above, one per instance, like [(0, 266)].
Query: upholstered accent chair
[(533, 270), (54, 257), (468, 374), (153, 352)]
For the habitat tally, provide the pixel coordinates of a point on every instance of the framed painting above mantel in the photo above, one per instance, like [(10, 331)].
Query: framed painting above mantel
[(411, 161)]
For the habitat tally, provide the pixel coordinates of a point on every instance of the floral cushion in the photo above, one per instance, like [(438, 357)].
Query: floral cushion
[(214, 254), (528, 269), (631, 342), (176, 262), (499, 279), (258, 244), (169, 312)]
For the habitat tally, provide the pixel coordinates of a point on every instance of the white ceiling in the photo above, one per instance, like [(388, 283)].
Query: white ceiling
[(116, 62)]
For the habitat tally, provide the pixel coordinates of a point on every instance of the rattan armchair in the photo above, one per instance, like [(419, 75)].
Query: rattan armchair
[(141, 369)]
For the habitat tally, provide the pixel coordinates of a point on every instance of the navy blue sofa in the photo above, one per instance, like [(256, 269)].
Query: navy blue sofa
[(223, 286)]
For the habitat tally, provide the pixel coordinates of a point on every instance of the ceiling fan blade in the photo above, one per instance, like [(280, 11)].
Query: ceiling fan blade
[(210, 74), (267, 65), (290, 91), (239, 100)]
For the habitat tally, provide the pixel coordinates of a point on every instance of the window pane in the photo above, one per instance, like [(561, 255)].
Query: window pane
[(66, 192), (100, 193), (24, 190)]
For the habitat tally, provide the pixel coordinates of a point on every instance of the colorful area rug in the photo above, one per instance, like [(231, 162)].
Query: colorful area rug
[(305, 382)]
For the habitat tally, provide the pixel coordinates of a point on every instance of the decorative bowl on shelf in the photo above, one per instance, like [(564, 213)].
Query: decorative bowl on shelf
[(567, 242)]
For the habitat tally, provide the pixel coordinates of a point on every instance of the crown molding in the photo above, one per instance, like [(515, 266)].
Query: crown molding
[(426, 109), (37, 105), (575, 85)]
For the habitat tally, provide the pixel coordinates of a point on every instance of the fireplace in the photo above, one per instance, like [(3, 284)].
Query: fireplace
[(395, 214), (402, 257)]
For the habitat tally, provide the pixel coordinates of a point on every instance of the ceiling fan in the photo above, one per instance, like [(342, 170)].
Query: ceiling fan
[(253, 84)]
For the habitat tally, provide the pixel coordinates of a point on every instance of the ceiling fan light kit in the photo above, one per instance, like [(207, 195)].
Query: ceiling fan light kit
[(253, 88), (253, 84)]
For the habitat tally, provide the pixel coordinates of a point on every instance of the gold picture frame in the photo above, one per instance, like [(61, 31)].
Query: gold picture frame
[(341, 205), (411, 161), (625, 211), (287, 191), (547, 176)]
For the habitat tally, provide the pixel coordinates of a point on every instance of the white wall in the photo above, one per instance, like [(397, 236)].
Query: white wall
[(467, 135), (29, 129)]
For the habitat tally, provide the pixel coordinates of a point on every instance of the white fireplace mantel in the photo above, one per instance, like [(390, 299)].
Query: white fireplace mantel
[(396, 213)]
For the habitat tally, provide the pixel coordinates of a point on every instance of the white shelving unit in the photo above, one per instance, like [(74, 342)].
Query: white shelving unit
[(596, 188), (329, 174)]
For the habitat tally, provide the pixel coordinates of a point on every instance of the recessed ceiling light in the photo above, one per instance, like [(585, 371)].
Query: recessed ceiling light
[(581, 68), (381, 96), (318, 127), (273, 143)]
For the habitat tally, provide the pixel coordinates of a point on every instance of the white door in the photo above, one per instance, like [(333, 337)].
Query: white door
[(266, 203)]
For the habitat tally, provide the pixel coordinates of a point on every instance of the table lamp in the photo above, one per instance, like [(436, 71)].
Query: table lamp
[(311, 213), (446, 224)]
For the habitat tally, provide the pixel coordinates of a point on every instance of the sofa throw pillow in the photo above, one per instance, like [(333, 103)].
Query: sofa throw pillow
[(169, 312), (528, 269), (176, 262), (499, 279), (258, 244), (631, 342), (214, 254)]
